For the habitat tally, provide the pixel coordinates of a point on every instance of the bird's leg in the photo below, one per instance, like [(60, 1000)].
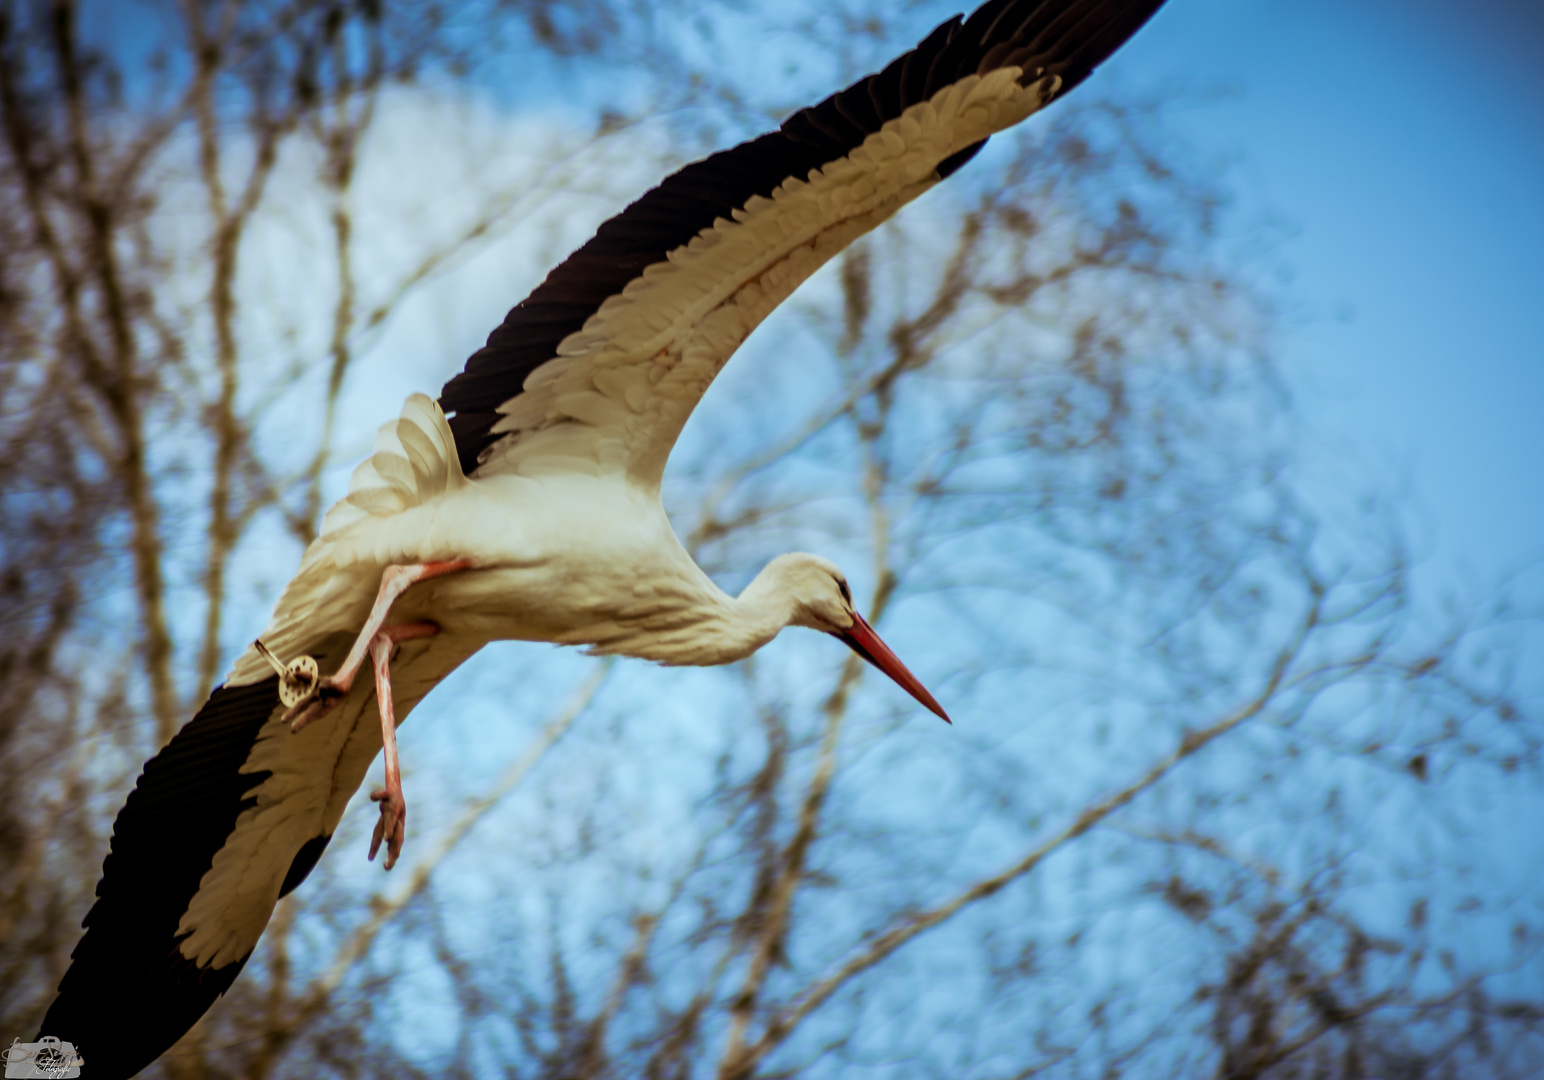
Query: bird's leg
[(326, 693), (392, 827)]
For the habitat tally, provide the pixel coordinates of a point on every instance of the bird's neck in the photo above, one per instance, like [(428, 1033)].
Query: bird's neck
[(710, 628)]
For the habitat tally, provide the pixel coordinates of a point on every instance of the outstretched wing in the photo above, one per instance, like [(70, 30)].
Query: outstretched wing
[(231, 816), (236, 810), (131, 991), (599, 368)]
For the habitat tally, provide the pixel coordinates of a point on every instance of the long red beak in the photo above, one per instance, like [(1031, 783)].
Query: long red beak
[(861, 638)]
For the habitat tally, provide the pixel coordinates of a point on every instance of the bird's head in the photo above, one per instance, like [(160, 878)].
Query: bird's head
[(822, 600)]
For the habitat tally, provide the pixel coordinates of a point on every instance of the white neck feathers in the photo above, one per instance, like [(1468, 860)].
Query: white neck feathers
[(700, 624)]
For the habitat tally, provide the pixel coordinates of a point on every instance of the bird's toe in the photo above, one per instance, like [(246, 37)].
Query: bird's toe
[(391, 828), (321, 700)]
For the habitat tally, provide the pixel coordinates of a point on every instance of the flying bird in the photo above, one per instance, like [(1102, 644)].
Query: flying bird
[(525, 504)]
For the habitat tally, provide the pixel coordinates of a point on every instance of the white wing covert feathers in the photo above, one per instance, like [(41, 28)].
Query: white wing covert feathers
[(619, 391)]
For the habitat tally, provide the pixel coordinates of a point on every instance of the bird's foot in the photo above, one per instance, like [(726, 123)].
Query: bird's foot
[(392, 828), (302, 690), (323, 696)]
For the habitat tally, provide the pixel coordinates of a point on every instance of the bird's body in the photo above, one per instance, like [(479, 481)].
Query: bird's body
[(533, 513), (570, 559)]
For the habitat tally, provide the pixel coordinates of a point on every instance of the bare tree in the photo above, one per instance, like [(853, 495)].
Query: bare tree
[(1205, 808)]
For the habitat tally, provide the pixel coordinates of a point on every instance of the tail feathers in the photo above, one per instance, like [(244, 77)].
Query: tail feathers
[(415, 459)]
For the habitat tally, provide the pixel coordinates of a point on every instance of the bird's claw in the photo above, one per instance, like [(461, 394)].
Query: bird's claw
[(321, 699), (392, 828)]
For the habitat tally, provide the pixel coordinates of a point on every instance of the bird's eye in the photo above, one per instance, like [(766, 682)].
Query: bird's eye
[(846, 592)]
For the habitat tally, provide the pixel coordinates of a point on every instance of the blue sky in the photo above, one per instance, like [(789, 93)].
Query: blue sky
[(1401, 145)]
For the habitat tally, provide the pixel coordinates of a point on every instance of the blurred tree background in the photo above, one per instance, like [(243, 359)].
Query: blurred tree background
[(1215, 798)]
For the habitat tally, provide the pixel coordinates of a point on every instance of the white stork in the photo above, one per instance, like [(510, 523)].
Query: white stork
[(534, 513)]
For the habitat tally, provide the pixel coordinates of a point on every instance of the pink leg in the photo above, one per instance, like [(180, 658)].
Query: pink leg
[(393, 824), (329, 691)]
